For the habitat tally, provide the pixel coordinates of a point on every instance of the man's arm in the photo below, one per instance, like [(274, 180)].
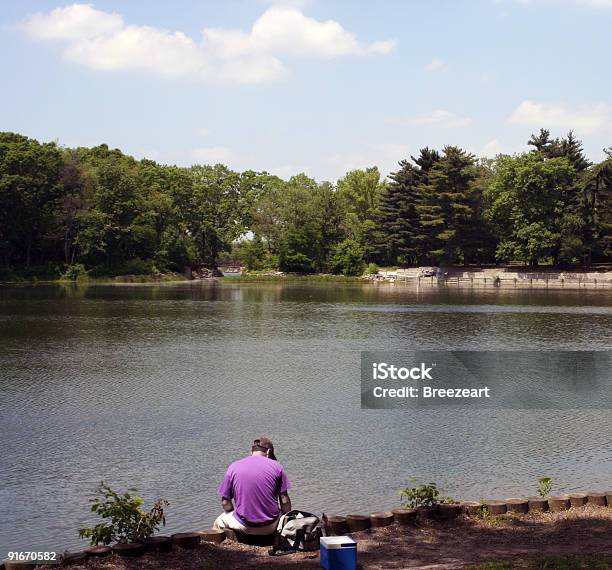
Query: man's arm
[(285, 502), (228, 506)]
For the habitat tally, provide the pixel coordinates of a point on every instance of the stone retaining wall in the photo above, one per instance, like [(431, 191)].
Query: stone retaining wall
[(498, 277)]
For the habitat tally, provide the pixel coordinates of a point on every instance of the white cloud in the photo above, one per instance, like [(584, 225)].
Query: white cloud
[(491, 148), (103, 41), (203, 132), (584, 118), (436, 65), (286, 171), (438, 118), (212, 154), (76, 22)]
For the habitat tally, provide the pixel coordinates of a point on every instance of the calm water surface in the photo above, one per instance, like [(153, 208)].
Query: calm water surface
[(161, 386)]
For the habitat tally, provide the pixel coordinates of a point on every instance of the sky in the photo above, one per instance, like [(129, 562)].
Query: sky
[(319, 86)]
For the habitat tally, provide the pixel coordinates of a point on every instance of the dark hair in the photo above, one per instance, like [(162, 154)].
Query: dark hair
[(264, 445)]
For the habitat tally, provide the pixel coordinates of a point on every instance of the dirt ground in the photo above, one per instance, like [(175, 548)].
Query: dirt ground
[(430, 545)]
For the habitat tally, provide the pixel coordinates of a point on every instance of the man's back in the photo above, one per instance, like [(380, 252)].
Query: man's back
[(255, 483)]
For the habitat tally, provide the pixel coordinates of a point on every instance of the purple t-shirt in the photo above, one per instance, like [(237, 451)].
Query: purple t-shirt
[(255, 483)]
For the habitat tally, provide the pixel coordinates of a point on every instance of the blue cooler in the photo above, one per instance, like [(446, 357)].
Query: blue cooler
[(338, 553)]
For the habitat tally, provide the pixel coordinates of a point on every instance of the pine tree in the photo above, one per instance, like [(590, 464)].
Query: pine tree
[(399, 216), (542, 141), (575, 228), (446, 208), (571, 148), (596, 211)]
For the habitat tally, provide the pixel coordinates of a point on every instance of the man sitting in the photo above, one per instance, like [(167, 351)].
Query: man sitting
[(258, 487)]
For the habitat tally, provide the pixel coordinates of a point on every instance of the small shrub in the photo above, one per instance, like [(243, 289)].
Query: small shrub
[(74, 272), (371, 269), (545, 486), (128, 523), (484, 509), (421, 495)]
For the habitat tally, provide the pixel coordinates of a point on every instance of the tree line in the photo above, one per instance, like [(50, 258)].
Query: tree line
[(96, 210)]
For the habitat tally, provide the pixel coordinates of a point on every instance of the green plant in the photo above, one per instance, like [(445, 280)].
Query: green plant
[(484, 509), (545, 486), (128, 523), (371, 269), (347, 258), (74, 272), (419, 495)]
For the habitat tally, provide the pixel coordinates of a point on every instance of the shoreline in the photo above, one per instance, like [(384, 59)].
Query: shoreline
[(447, 277), (501, 278), (470, 539)]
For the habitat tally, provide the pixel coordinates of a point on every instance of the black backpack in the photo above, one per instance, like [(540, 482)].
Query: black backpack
[(298, 530)]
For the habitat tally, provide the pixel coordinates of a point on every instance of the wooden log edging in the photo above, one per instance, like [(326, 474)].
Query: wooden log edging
[(158, 543), (129, 549), (471, 508), (497, 508), (340, 525), (404, 516), (74, 557), (98, 551), (448, 511), (539, 504), (358, 523), (17, 565), (558, 503), (186, 539), (214, 535), (517, 505), (379, 519), (596, 498), (578, 499)]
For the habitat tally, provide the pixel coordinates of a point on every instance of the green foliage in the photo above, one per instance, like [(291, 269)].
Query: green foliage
[(30, 197), (347, 258), (371, 269), (128, 522), (360, 193), (432, 210), (526, 204), (484, 509), (545, 486), (399, 218), (74, 272), (66, 211), (253, 254), (421, 495)]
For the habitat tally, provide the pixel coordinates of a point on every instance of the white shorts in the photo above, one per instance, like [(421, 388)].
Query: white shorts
[(228, 520)]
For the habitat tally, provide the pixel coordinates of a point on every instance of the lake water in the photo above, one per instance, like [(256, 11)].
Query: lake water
[(161, 386)]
